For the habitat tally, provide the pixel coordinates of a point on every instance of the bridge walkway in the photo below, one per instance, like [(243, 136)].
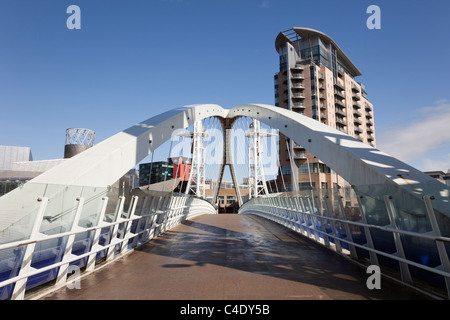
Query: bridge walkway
[(232, 257)]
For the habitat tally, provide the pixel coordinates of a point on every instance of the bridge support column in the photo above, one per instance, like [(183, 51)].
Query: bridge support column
[(227, 160)]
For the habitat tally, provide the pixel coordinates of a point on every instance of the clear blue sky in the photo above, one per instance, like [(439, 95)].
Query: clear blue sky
[(134, 59)]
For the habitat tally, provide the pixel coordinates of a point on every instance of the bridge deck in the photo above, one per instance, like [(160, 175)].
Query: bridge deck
[(232, 257)]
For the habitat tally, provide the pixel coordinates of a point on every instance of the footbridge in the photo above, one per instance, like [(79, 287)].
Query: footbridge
[(73, 221)]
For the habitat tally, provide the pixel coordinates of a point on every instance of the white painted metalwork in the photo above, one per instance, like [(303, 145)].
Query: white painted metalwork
[(75, 200), (148, 215), (256, 177), (196, 183), (358, 163)]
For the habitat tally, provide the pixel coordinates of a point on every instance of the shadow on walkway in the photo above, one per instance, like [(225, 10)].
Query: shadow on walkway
[(215, 257)]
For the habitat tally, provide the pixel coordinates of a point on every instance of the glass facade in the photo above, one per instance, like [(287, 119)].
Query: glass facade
[(313, 168), (155, 172), (319, 55)]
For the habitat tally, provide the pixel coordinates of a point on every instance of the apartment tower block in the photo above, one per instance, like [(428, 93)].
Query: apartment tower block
[(317, 79)]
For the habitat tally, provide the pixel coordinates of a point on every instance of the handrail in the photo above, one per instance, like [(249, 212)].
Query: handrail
[(302, 214), (161, 213)]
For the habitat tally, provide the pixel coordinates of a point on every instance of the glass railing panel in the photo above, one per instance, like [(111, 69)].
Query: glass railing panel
[(61, 208), (10, 263), (46, 253), (93, 203), (17, 213)]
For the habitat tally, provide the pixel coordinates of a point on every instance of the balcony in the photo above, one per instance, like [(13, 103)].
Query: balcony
[(298, 86), (339, 102), (341, 121), (356, 96), (357, 113), (322, 96), (300, 155), (298, 106), (355, 88), (356, 104), (340, 112), (356, 120), (323, 106), (339, 85), (298, 96), (298, 67), (358, 130), (339, 93), (297, 76)]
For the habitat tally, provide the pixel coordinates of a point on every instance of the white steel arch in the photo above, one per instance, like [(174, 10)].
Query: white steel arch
[(102, 165), (358, 163), (108, 161)]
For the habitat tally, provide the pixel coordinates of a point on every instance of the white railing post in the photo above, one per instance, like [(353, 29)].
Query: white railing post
[(148, 220), (372, 255), (127, 228), (443, 256), (20, 286), (115, 228), (404, 267), (305, 218), (297, 215), (323, 221), (62, 273), (141, 221), (353, 252), (90, 265), (312, 209), (337, 242)]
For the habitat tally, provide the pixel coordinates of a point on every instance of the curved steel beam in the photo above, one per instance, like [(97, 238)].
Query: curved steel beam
[(355, 161), (108, 161), (358, 163)]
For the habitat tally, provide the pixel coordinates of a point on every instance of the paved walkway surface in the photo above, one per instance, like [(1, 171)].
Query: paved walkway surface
[(232, 257)]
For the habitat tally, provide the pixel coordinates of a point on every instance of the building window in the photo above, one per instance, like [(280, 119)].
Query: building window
[(221, 199), (231, 199), (313, 168), (286, 170), (306, 186)]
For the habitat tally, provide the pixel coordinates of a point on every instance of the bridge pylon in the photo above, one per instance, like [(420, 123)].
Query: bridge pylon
[(256, 179), (196, 182)]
